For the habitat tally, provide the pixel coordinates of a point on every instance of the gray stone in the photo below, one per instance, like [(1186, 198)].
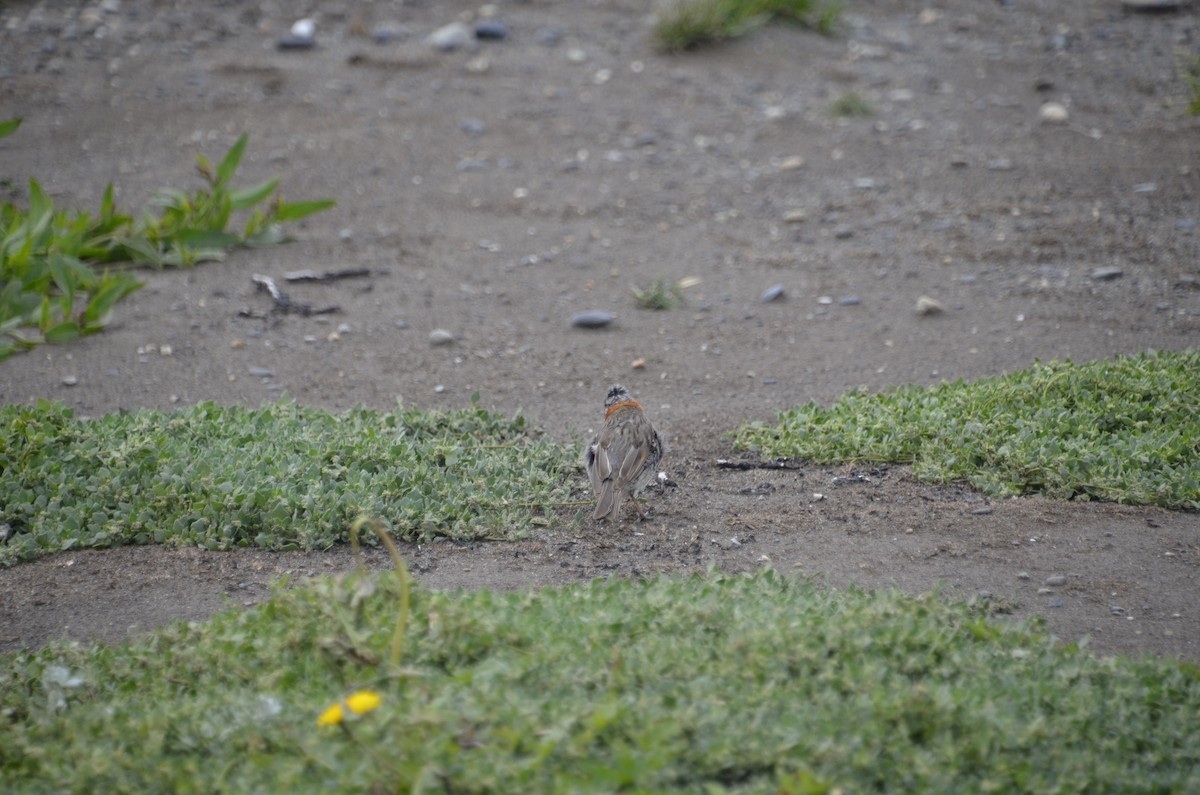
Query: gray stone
[(595, 318)]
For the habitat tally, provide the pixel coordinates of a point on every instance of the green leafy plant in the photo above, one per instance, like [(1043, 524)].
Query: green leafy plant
[(755, 683), (851, 105), (687, 24), (277, 477), (62, 271), (660, 294), (1190, 67), (1124, 430)]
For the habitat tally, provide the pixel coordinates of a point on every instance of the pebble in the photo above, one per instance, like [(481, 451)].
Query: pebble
[(1152, 6), (773, 293), (450, 37), (929, 306), (1106, 273), (1117, 611), (389, 30), (791, 163), (1055, 602), (440, 336), (638, 364), (1022, 575), (547, 37), (491, 29), (1053, 113), (302, 36), (70, 380), (981, 511), (261, 372), (1056, 580), (795, 217), (849, 300), (595, 318), (1000, 164)]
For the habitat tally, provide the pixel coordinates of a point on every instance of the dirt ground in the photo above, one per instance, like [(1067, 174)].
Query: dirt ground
[(494, 191)]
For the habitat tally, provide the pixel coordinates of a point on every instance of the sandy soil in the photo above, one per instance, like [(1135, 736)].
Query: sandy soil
[(494, 191)]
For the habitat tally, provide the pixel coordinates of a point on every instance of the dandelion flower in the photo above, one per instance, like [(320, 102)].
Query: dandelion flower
[(358, 703)]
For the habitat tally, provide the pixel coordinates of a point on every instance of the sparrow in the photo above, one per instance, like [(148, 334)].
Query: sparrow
[(621, 459)]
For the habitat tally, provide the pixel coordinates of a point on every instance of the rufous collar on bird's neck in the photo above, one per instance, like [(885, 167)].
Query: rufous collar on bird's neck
[(624, 404)]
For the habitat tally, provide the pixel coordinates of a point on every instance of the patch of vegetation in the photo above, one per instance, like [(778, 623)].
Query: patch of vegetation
[(1191, 78), (278, 477), (744, 684), (851, 105), (660, 294), (1125, 430), (60, 270), (687, 24)]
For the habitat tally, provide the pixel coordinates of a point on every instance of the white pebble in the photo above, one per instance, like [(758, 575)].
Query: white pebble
[(928, 306), (1053, 113), (304, 28)]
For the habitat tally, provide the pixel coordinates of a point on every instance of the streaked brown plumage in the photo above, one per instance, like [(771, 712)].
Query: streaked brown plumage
[(623, 458)]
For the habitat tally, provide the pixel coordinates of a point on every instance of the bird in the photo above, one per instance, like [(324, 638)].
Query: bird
[(621, 459)]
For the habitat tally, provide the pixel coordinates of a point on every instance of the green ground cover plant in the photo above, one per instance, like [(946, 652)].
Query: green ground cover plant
[(686, 24), (63, 271), (1125, 430), (710, 684), (279, 477)]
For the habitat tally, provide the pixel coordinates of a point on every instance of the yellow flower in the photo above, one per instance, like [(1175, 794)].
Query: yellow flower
[(359, 702)]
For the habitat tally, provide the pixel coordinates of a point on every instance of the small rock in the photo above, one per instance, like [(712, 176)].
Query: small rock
[(1056, 580), (795, 217), (1189, 281), (1152, 6), (1106, 274), (389, 31), (843, 233), (70, 380), (547, 37), (639, 364), (984, 511), (773, 293), (472, 126), (791, 163), (929, 306), (1117, 611), (450, 37), (261, 372), (849, 300), (1022, 575), (302, 36), (596, 318), (1055, 602), (440, 336), (1053, 113), (1145, 187), (440, 388), (1000, 164), (492, 29)]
